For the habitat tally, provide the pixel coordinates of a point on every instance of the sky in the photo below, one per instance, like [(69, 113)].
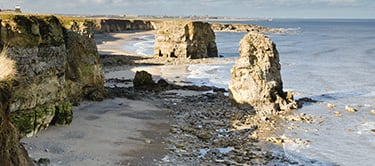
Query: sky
[(230, 8)]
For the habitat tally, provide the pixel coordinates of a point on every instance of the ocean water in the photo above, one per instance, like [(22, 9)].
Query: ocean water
[(141, 45), (330, 60)]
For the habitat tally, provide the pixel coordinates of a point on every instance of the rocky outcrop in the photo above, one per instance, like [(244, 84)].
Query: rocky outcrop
[(222, 27), (57, 63), (235, 27), (182, 39), (143, 80), (119, 25), (108, 25), (12, 152), (256, 78)]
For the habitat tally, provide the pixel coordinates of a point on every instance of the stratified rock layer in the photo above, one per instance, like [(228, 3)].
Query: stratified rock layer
[(256, 78), (182, 39), (56, 63)]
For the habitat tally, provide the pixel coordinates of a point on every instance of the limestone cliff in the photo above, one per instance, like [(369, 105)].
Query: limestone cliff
[(120, 25), (185, 40), (12, 152), (106, 25), (222, 27), (56, 64), (256, 78)]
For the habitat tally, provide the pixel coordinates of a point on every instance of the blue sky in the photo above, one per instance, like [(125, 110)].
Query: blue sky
[(236, 8)]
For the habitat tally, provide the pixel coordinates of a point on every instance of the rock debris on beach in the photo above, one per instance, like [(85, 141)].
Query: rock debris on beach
[(350, 109)]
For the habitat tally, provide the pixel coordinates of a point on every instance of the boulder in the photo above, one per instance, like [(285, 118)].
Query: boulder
[(181, 39), (143, 81), (256, 78)]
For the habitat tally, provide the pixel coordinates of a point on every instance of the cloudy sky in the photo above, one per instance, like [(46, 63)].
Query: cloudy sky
[(237, 8)]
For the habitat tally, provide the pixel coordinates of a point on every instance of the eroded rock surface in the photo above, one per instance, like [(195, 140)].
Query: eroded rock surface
[(12, 153), (143, 80), (256, 78), (56, 64), (183, 39)]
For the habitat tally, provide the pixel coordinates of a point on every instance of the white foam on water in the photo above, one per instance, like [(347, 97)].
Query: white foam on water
[(217, 75), (366, 128)]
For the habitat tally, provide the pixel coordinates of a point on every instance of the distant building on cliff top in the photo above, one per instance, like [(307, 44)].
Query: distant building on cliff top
[(17, 9)]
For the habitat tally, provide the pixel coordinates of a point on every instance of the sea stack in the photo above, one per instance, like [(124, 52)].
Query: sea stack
[(181, 39), (256, 78)]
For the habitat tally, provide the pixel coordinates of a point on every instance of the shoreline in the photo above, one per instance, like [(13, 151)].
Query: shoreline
[(159, 127)]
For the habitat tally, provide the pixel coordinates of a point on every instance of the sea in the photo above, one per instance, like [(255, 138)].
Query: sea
[(328, 60)]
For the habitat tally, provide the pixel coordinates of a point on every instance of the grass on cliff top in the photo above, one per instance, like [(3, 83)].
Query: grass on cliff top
[(12, 15), (7, 68), (64, 20)]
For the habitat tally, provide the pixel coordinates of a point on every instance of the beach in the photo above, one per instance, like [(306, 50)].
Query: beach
[(313, 65), (151, 127)]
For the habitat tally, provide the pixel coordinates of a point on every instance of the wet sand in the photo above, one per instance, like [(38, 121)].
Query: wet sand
[(112, 132)]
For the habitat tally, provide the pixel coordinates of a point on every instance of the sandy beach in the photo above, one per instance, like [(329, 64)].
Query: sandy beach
[(112, 132), (116, 131)]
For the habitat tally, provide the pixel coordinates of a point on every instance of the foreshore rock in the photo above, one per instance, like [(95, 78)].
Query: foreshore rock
[(181, 39), (237, 27), (143, 80), (256, 78), (57, 64), (222, 27), (12, 152), (118, 25)]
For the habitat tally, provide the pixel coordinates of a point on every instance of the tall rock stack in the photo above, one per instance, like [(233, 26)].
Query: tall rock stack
[(182, 39), (256, 78)]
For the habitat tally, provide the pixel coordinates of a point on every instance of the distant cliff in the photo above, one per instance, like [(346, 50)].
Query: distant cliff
[(117, 25), (182, 39), (110, 25), (57, 63), (223, 27), (113, 25)]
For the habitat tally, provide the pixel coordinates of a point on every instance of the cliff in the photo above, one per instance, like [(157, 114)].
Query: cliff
[(222, 27), (185, 40), (109, 25), (119, 25), (12, 152), (256, 78), (57, 63)]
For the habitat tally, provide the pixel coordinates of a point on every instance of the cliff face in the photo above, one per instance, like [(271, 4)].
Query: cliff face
[(185, 40), (221, 27), (256, 78), (12, 153), (56, 64), (118, 25)]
